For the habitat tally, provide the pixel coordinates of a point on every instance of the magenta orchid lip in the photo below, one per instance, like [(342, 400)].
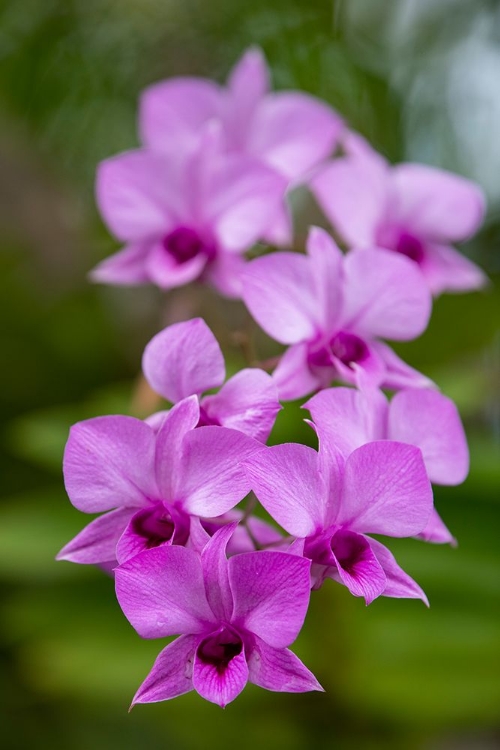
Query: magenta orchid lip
[(210, 180)]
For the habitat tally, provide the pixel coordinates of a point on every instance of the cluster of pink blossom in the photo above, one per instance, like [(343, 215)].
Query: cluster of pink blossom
[(212, 179)]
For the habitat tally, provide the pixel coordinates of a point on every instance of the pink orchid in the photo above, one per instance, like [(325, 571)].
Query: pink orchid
[(185, 359), (236, 618), (330, 504), (289, 131), (421, 417), (332, 309), (412, 209), (185, 216), (151, 488)]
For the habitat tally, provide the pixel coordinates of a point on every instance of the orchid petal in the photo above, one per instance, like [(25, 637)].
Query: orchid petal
[(353, 192), (431, 421), (155, 420), (287, 482), (296, 547), (198, 535), (280, 230), (153, 526), (173, 112), (164, 271), (247, 85), (327, 270), (161, 593), (96, 543), (171, 674), (397, 373), (293, 131), (249, 79), (447, 270), (331, 467), (210, 479), (135, 195), (279, 291), (279, 670), (349, 418), (270, 594), (263, 533), (293, 377), (399, 583), (384, 295), (366, 374), (128, 266), (386, 490), (242, 198), (178, 422), (131, 543), (247, 402), (357, 565), (436, 532), (439, 205), (109, 463), (220, 686), (215, 573), (183, 359), (224, 274)]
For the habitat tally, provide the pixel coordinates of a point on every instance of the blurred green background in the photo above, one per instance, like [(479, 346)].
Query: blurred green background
[(420, 79)]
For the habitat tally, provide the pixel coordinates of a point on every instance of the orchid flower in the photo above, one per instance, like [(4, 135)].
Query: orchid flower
[(421, 417), (330, 504), (412, 209), (332, 309), (289, 131), (185, 359), (236, 618), (152, 488), (185, 216)]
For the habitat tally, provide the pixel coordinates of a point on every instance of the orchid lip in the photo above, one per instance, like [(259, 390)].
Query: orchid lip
[(343, 346), (410, 246), (338, 541), (346, 547), (348, 348), (336, 549), (205, 419), (318, 547), (220, 648), (401, 241), (160, 524), (185, 244)]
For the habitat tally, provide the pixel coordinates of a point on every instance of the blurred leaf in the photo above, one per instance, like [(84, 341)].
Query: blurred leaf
[(40, 436), (33, 528)]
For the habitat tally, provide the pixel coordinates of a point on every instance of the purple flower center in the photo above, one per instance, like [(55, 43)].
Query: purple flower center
[(410, 246), (348, 548), (220, 648), (157, 526), (348, 348), (205, 419), (400, 241), (344, 346), (184, 244)]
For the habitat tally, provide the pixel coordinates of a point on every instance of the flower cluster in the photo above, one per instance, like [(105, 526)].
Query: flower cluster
[(212, 179)]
